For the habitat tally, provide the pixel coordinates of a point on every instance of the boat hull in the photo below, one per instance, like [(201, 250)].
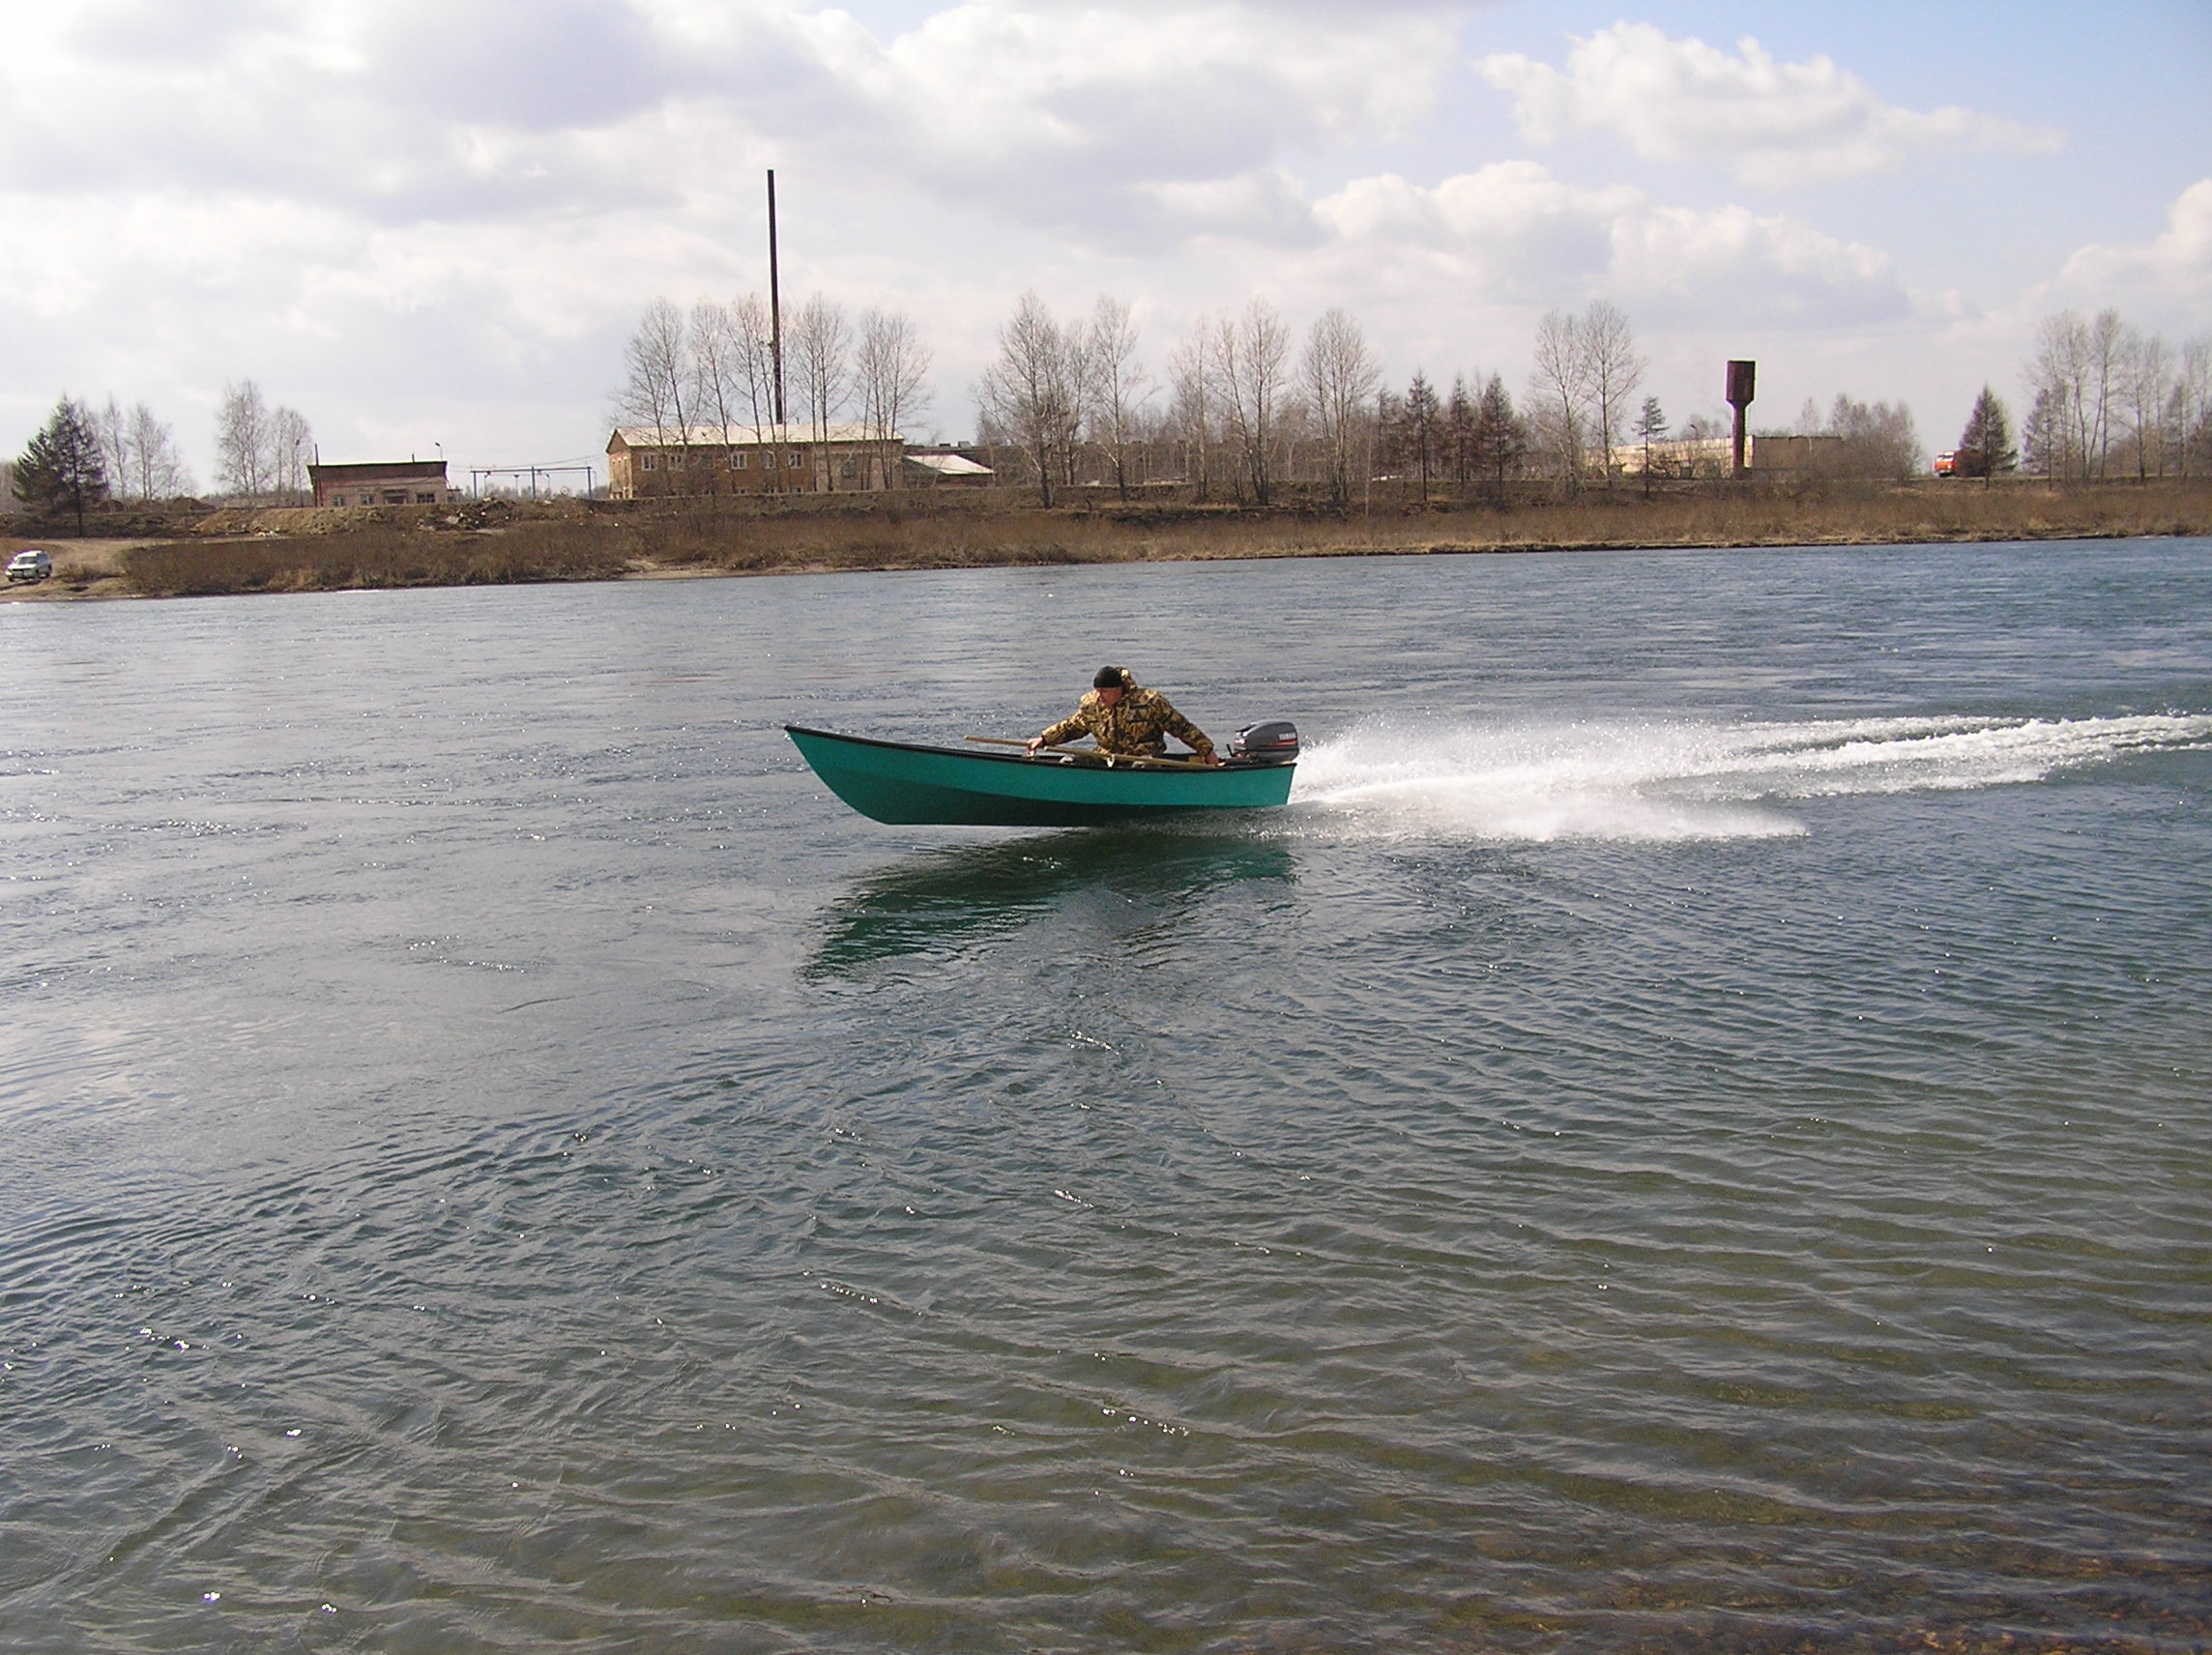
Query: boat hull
[(894, 782)]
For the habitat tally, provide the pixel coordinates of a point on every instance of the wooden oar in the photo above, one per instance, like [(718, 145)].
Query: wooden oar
[(1112, 760)]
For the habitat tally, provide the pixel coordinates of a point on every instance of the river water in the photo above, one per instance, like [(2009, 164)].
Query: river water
[(1692, 1131)]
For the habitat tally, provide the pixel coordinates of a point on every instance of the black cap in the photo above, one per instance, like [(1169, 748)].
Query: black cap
[(1106, 678)]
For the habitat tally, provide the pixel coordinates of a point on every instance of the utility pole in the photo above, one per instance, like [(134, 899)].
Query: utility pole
[(775, 303)]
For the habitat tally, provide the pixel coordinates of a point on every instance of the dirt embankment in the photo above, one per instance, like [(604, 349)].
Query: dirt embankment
[(507, 541)]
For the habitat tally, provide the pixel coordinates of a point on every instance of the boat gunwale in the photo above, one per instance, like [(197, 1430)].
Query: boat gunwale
[(1072, 761)]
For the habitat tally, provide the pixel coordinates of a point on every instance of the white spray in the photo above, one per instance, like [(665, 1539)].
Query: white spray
[(1685, 779)]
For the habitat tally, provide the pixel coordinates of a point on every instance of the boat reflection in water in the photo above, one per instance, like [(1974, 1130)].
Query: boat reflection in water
[(955, 900)]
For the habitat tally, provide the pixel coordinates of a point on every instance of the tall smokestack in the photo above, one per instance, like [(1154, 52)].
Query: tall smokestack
[(776, 311), (1742, 380)]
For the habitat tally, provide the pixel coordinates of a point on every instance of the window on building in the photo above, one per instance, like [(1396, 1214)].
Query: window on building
[(794, 461), (648, 461), (739, 460), (425, 500)]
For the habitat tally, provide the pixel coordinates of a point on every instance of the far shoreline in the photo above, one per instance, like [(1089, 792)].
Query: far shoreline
[(235, 553)]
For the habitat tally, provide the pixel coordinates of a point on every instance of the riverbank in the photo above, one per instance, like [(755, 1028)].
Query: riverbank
[(572, 540)]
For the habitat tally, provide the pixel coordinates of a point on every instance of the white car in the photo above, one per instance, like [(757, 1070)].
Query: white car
[(33, 564)]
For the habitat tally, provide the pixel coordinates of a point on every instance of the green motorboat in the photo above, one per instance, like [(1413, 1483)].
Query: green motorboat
[(1062, 787)]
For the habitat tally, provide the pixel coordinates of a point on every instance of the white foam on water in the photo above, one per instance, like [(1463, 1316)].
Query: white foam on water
[(1667, 779)]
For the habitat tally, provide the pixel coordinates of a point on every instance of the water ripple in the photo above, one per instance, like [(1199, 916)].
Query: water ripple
[(1690, 1133)]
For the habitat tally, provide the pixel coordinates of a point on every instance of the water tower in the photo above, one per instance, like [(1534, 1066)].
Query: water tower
[(1742, 377)]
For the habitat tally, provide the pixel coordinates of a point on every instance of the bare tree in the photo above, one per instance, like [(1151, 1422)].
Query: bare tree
[(2193, 402), (711, 359), (656, 391), (1117, 385), (820, 347), (1251, 362), (892, 367), (1297, 435), (1032, 391), (2081, 377), (2107, 344), (1557, 393), (157, 470), (114, 429), (1082, 378), (1876, 439), (1614, 368), (1190, 375), (2146, 379), (1340, 377), (291, 444), (752, 339), (2059, 425), (242, 441)]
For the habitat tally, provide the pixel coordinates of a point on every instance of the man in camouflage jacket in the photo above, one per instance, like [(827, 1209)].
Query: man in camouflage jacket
[(1127, 721)]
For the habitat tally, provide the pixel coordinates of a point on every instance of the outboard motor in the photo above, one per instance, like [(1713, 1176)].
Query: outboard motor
[(1274, 743)]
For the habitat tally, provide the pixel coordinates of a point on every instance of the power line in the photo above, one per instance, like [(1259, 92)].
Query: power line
[(480, 474)]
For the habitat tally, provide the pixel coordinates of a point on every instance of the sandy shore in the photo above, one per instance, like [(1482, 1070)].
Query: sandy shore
[(82, 569)]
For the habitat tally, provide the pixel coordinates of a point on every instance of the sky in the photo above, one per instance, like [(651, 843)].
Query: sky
[(430, 226)]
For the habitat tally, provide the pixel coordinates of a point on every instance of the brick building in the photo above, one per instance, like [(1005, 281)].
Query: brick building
[(382, 482)]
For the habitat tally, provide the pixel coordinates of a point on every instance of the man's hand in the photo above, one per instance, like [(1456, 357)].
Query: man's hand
[(1034, 742), (1211, 758)]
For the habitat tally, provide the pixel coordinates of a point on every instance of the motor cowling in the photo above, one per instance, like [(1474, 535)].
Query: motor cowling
[(1273, 743)]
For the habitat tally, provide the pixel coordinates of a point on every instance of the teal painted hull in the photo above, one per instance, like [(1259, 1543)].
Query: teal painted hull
[(890, 781)]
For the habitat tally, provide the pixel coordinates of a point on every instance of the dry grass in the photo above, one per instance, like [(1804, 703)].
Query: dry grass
[(700, 536), (369, 559), (1840, 515), (572, 543)]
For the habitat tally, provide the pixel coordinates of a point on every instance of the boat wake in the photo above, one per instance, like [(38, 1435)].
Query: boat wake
[(1682, 779)]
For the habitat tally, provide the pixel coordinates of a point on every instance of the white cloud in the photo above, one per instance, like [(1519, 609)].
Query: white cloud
[(2172, 273), (198, 190), (386, 198), (1054, 114), (1773, 124), (1522, 234)]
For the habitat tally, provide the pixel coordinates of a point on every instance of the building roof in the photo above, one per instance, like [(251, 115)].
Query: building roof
[(380, 471), (739, 436), (949, 465)]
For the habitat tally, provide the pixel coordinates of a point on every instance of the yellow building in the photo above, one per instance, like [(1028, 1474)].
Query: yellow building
[(644, 461)]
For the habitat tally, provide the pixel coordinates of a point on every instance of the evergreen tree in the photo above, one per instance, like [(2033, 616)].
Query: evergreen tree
[(62, 465), (1651, 427), (1459, 431), (1500, 438), (2044, 435), (1423, 425), (1986, 444), (1392, 440)]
